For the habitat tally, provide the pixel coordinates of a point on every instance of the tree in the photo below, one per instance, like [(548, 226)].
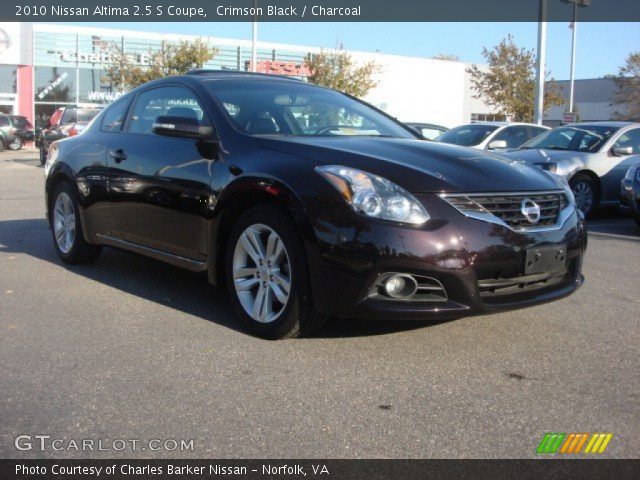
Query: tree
[(339, 71), (628, 88), (127, 71), (509, 82)]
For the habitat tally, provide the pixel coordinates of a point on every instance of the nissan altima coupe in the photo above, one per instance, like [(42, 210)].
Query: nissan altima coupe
[(307, 203)]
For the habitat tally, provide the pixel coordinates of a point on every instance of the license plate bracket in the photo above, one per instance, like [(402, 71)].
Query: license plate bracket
[(549, 258)]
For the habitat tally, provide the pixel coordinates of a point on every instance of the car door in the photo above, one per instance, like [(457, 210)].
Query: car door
[(160, 186), (619, 164)]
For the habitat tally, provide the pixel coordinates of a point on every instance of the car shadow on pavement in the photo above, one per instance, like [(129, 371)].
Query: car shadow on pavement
[(165, 284), (613, 224)]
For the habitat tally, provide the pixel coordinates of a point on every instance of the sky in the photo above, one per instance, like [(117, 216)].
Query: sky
[(601, 47)]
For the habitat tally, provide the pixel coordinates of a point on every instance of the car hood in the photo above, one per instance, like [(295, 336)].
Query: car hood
[(416, 165)]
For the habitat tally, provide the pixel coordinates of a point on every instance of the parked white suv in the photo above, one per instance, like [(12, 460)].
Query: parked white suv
[(593, 157), (492, 135)]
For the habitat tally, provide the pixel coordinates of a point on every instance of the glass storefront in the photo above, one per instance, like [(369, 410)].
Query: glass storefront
[(8, 88), (71, 68)]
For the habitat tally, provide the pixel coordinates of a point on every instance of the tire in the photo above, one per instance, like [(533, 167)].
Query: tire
[(583, 186), (637, 220), (43, 156), (276, 320), (74, 249), (16, 144)]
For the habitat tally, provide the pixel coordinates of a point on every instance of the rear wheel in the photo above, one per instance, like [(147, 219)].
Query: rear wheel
[(66, 227), (43, 156), (16, 144), (586, 193), (637, 219), (267, 275)]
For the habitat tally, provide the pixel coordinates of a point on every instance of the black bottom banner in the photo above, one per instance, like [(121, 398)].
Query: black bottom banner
[(329, 469)]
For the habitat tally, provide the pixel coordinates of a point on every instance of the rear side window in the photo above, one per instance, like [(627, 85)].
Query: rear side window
[(113, 118)]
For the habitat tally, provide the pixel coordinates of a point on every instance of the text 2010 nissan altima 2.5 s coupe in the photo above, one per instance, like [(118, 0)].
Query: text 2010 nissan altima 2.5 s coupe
[(308, 203)]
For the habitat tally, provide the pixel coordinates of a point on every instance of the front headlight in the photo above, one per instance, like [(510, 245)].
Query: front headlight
[(374, 196), (51, 157), (561, 181)]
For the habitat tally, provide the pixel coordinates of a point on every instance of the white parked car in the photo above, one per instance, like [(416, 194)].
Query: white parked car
[(593, 157), (492, 135)]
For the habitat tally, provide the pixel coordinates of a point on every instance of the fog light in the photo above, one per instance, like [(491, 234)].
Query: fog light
[(400, 286)]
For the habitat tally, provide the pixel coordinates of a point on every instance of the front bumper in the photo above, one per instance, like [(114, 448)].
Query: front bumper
[(465, 255)]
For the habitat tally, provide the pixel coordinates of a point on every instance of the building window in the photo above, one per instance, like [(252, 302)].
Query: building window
[(54, 84), (7, 79), (487, 117)]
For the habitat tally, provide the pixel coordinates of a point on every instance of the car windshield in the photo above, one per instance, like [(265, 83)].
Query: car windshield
[(79, 115), (578, 138), (295, 108), (468, 135)]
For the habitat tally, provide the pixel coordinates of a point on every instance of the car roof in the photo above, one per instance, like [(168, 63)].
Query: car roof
[(236, 74), (507, 124), (426, 125), (601, 124)]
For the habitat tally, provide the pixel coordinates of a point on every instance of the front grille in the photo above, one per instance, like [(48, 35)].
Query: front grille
[(507, 286), (508, 207)]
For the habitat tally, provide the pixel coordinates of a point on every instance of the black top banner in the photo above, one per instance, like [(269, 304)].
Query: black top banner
[(319, 10)]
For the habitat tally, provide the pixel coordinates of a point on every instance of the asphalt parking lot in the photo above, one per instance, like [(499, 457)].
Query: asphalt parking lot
[(130, 348)]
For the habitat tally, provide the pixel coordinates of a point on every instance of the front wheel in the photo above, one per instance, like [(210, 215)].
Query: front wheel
[(16, 144), (267, 275), (586, 193), (66, 227)]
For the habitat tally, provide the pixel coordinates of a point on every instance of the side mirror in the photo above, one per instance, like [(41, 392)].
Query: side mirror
[(497, 145), (182, 127), (622, 151)]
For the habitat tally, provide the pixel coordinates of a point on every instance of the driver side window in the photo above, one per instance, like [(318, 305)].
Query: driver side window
[(630, 139), (174, 101), (514, 136)]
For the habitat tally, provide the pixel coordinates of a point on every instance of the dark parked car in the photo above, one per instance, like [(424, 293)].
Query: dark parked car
[(65, 122), (14, 131), (307, 203), (430, 131), (630, 191)]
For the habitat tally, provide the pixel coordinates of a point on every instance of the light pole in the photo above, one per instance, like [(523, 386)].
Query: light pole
[(540, 62), (574, 34), (254, 38)]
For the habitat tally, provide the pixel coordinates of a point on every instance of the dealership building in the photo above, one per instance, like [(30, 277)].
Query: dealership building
[(43, 67)]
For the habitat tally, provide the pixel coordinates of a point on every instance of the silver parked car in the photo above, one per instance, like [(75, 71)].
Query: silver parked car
[(492, 135), (593, 157)]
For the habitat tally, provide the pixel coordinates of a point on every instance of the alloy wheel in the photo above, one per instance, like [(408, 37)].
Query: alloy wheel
[(64, 222), (583, 192), (16, 144), (261, 273)]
